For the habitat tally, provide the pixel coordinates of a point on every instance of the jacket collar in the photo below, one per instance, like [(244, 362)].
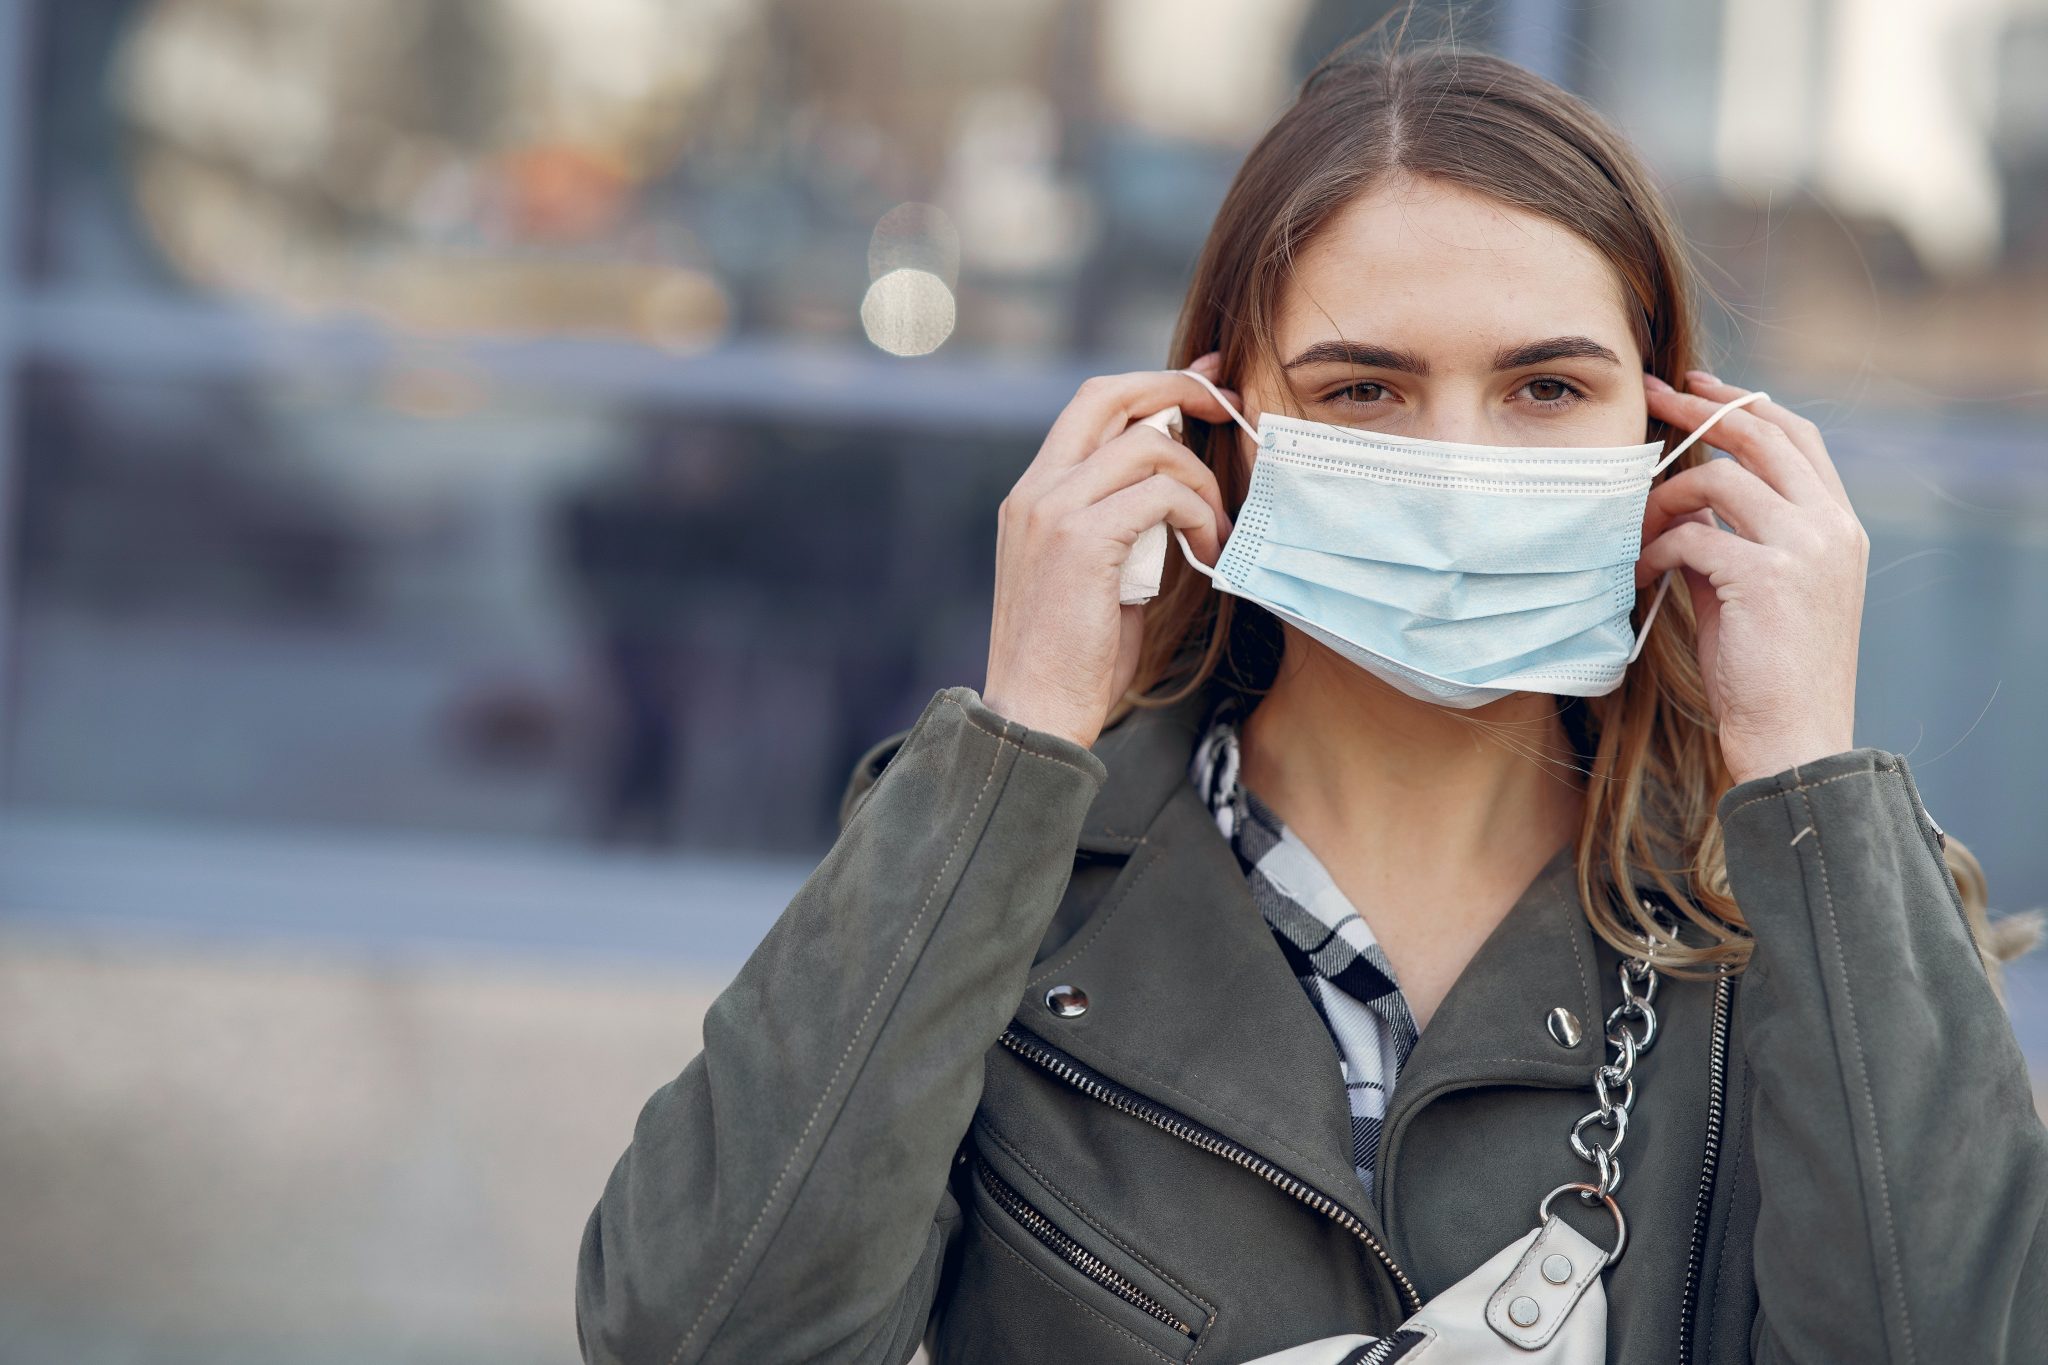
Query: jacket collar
[(1147, 753), (1192, 1004)]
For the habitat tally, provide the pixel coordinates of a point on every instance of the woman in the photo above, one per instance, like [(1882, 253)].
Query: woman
[(1196, 990)]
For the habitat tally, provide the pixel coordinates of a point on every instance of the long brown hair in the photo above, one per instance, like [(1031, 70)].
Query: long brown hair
[(1652, 757)]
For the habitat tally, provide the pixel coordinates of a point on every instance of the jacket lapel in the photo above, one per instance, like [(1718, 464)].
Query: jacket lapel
[(1192, 1003), (1491, 1027)]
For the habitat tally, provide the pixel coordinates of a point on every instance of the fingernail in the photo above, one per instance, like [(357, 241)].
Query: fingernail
[(1701, 376), (1659, 385)]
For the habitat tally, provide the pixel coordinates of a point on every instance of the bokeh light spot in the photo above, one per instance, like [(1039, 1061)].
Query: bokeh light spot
[(908, 312), (915, 236)]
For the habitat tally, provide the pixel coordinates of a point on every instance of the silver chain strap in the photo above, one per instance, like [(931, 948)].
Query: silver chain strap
[(1615, 1084), (1617, 1078)]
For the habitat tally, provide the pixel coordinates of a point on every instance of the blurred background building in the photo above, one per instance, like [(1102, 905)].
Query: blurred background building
[(475, 473)]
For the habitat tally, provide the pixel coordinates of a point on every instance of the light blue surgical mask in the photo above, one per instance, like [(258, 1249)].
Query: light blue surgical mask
[(1456, 573)]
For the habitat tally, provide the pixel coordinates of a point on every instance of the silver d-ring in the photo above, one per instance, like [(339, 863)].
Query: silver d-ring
[(1620, 1223)]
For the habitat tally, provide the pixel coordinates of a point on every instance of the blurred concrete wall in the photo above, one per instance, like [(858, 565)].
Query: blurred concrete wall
[(229, 1157)]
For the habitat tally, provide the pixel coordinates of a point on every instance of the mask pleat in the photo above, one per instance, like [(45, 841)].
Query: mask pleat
[(1469, 633), (1441, 596), (1448, 530)]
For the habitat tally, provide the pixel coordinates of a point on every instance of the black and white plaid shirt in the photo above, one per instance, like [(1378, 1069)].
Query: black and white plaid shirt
[(1330, 947)]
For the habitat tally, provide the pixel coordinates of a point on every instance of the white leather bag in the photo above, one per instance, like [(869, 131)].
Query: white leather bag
[(1541, 1299)]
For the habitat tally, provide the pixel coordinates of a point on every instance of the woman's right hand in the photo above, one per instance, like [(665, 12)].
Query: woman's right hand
[(1062, 648)]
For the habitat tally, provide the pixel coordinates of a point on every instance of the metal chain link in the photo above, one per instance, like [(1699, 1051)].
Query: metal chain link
[(1614, 1082)]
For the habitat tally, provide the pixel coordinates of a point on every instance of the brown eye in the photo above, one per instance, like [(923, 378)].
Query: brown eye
[(1552, 393)]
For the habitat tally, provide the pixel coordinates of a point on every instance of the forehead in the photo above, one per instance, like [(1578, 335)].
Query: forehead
[(1450, 273)]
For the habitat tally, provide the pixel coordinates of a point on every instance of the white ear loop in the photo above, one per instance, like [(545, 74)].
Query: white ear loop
[(1664, 582), (1701, 429), (1217, 394), (1186, 552)]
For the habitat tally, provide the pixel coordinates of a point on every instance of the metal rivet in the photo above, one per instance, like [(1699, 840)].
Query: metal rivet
[(1564, 1027), (1523, 1312), (1066, 1001), (1557, 1268)]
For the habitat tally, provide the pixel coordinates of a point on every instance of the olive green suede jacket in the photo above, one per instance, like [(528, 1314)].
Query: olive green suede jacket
[(892, 1137)]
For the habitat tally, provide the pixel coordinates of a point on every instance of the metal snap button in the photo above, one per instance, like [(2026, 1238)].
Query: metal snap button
[(1523, 1312), (1067, 1001), (1557, 1268), (1564, 1027)]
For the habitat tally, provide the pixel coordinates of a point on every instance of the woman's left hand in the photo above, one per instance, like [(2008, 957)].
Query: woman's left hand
[(1779, 598)]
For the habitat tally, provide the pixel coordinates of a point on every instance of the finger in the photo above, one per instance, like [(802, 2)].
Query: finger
[(1126, 514), (1762, 447), (1105, 404), (1137, 454), (1737, 496), (1646, 575), (1704, 549), (1804, 434)]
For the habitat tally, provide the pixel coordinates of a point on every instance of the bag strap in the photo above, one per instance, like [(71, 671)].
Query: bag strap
[(1631, 1030)]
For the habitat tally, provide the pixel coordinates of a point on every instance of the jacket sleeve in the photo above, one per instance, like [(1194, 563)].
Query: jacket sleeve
[(786, 1196), (1902, 1166)]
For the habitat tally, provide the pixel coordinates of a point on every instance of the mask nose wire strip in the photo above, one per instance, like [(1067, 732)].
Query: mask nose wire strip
[(1664, 580)]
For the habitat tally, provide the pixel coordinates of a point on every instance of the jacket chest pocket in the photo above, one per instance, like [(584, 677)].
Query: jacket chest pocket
[(1037, 1277)]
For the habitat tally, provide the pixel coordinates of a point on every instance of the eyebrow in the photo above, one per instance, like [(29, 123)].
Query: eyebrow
[(1374, 356)]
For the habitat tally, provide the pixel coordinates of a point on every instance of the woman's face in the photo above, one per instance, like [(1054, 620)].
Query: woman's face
[(1428, 310)]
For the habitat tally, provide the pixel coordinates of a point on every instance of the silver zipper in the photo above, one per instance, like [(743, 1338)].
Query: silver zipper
[(1072, 1252), (1036, 1050), (1388, 1349), (1717, 1074)]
